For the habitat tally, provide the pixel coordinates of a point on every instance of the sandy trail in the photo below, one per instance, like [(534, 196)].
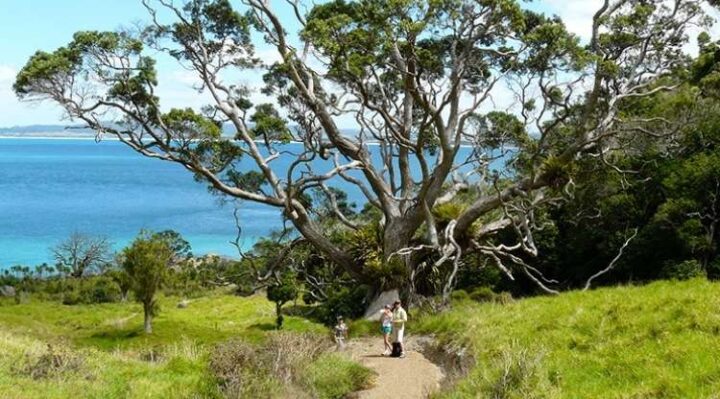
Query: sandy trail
[(413, 377)]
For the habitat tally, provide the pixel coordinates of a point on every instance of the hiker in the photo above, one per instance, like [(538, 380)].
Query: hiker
[(341, 333), (399, 319), (386, 321)]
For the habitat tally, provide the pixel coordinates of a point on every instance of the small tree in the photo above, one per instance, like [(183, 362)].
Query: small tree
[(178, 245), (122, 279), (284, 290), (80, 253), (146, 264)]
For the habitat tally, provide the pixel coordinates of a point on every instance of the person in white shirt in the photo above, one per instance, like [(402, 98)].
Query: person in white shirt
[(399, 320)]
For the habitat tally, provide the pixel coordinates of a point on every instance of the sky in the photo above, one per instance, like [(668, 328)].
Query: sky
[(30, 25)]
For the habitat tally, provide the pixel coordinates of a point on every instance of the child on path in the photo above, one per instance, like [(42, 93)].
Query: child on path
[(341, 333)]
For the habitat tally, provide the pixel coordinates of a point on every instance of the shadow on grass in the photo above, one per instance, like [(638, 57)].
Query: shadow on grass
[(309, 312), (262, 327)]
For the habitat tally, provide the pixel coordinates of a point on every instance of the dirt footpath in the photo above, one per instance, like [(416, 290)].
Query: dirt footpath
[(413, 377)]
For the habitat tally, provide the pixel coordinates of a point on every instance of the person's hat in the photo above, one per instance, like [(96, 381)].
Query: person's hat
[(388, 306)]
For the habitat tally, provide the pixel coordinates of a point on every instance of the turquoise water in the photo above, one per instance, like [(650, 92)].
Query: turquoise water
[(50, 188)]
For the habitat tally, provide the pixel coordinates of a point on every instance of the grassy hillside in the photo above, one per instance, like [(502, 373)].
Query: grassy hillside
[(119, 325), (656, 341), (51, 350)]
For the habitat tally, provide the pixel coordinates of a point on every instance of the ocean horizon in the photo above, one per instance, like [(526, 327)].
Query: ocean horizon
[(51, 187)]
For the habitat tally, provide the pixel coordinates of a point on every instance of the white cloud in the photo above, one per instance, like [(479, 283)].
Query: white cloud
[(577, 14), (7, 74)]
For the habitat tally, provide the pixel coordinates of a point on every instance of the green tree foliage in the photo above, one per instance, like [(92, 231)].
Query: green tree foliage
[(665, 186), (418, 77), (282, 291), (146, 263)]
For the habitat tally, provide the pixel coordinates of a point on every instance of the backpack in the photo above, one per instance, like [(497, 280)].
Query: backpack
[(396, 349)]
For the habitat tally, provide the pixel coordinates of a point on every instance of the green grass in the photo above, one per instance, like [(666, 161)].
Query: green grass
[(116, 359), (656, 341), (333, 376), (100, 374), (661, 340), (119, 325)]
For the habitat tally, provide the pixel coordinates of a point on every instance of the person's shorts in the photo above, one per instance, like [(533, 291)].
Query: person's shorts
[(386, 329)]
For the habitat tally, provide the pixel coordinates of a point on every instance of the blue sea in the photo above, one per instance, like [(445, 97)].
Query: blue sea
[(50, 188)]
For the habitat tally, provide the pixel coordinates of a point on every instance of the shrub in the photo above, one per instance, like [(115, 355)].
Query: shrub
[(333, 376), (459, 295), (486, 294), (244, 370), (682, 271), (713, 269), (71, 297), (285, 290), (53, 362), (232, 364), (146, 263), (473, 274), (289, 354), (349, 302), (519, 374), (504, 298), (98, 289), (483, 294)]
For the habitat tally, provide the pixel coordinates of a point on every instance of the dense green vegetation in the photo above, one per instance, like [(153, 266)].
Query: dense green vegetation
[(610, 175), (661, 340)]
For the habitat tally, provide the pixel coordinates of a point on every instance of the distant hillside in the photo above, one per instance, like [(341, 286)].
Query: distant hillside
[(79, 131), (46, 131)]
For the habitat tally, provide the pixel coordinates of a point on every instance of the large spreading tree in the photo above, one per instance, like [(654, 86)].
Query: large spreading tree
[(419, 78)]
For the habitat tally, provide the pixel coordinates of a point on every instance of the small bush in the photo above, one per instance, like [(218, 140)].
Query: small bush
[(244, 370), (473, 274), (98, 289), (288, 354), (459, 295), (71, 297), (483, 294), (682, 271), (234, 365), (713, 269), (504, 298), (334, 376), (519, 374), (53, 362), (349, 302)]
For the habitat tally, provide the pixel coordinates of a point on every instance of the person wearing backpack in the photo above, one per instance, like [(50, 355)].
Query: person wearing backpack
[(399, 320)]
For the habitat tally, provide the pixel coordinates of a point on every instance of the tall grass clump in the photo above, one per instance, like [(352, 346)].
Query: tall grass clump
[(333, 376), (285, 365)]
